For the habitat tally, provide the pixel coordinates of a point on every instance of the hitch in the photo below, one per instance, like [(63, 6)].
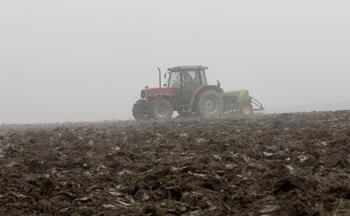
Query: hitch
[(259, 106)]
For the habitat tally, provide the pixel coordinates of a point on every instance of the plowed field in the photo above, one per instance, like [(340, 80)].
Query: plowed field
[(288, 164)]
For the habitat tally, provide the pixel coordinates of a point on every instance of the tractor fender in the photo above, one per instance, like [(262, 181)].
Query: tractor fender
[(197, 92)]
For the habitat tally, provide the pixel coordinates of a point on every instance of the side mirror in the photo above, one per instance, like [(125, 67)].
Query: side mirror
[(165, 85)]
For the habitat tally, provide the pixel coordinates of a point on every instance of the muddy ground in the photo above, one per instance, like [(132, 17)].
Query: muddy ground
[(288, 164)]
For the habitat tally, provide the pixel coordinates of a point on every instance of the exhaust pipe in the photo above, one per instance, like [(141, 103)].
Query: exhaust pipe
[(160, 78)]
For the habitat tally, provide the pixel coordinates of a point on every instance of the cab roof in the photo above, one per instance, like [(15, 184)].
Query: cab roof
[(188, 68)]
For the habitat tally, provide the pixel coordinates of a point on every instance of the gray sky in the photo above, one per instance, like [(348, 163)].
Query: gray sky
[(76, 60)]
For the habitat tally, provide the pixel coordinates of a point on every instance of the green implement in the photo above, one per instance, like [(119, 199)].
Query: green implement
[(240, 101)]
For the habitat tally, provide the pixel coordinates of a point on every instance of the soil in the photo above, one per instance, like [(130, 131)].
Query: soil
[(287, 164)]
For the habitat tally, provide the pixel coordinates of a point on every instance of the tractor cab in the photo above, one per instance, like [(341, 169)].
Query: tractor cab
[(186, 80), (187, 75)]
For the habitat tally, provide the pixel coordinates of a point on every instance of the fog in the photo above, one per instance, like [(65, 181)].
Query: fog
[(84, 60)]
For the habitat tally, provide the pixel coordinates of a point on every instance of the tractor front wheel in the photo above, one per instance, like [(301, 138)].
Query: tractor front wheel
[(139, 110), (210, 104), (161, 109)]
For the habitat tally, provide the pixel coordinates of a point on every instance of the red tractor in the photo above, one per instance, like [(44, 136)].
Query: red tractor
[(187, 92)]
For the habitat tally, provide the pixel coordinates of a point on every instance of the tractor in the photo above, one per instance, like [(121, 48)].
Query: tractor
[(187, 91)]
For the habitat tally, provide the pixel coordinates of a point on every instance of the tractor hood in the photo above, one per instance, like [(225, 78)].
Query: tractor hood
[(161, 91), (153, 93)]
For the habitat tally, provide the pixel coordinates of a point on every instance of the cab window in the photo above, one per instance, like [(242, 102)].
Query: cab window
[(191, 77), (175, 80)]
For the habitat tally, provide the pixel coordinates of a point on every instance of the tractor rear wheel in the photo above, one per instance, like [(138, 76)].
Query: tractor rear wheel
[(161, 109), (210, 104), (247, 109), (139, 110)]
